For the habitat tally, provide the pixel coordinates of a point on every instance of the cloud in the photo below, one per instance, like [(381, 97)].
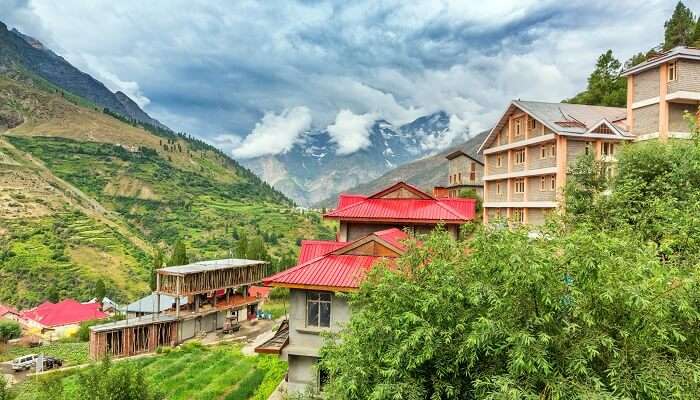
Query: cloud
[(351, 131), (222, 65), (457, 131), (275, 133)]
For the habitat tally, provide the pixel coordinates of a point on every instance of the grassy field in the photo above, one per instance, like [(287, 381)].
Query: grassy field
[(70, 353), (195, 372)]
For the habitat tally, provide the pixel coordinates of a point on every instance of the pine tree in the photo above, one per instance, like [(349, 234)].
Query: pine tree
[(179, 256), (242, 246), (680, 28), (605, 85)]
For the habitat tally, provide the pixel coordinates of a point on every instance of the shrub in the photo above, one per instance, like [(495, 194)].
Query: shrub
[(9, 330)]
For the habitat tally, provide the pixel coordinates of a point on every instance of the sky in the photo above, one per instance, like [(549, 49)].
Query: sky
[(252, 77)]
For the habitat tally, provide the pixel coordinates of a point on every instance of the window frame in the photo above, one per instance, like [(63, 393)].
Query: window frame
[(543, 183), (498, 188), (608, 149), (520, 212), (499, 160), (532, 124), (543, 152), (672, 70), (552, 150), (517, 129), (517, 182), (553, 183), (472, 171), (524, 156), (319, 301)]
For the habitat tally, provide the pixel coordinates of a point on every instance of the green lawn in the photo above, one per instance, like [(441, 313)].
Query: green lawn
[(70, 353), (196, 372)]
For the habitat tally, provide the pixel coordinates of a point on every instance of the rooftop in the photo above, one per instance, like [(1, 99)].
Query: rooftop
[(675, 53), (210, 265), (64, 312), (131, 322)]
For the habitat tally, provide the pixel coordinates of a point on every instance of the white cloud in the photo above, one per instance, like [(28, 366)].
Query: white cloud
[(275, 133), (351, 131), (457, 131)]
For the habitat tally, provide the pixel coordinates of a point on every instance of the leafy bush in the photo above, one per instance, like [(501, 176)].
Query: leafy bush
[(9, 330), (471, 194)]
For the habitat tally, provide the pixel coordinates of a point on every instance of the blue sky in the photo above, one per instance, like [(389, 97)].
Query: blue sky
[(252, 76)]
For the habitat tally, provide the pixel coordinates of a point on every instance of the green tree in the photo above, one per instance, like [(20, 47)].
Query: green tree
[(574, 313), (605, 85), (256, 250), (9, 330), (100, 290), (123, 381), (157, 263), (5, 393), (52, 294), (179, 256), (471, 194), (680, 29), (241, 249)]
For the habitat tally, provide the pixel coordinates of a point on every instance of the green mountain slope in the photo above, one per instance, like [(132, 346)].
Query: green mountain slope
[(87, 196)]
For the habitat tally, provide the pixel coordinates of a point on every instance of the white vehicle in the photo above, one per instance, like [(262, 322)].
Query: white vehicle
[(24, 362)]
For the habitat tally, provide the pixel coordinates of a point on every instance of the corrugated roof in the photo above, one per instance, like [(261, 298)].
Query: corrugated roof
[(673, 54), (210, 265), (146, 304), (336, 270), (424, 209), (7, 309), (311, 249), (345, 200), (64, 312)]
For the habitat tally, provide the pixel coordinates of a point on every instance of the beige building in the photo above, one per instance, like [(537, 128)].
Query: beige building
[(660, 90), (465, 172), (528, 152)]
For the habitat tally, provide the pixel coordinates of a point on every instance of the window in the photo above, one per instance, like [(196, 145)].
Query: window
[(532, 123), (323, 378), (672, 71), (603, 129), (608, 149), (518, 127), (318, 309), (472, 171), (459, 178), (553, 183), (543, 183), (553, 150), (520, 156), (518, 215), (589, 148), (543, 151), (498, 188), (519, 185), (499, 161)]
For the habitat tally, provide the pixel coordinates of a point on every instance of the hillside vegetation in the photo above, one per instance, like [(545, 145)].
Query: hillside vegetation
[(88, 196)]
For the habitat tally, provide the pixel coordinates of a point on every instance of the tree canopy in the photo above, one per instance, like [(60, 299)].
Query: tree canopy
[(601, 303), (681, 28), (605, 85), (179, 256)]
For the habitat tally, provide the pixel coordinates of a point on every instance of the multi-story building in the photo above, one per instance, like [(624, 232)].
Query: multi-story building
[(465, 172), (660, 90), (528, 152)]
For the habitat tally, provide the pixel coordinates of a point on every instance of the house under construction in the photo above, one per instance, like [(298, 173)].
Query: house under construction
[(215, 290)]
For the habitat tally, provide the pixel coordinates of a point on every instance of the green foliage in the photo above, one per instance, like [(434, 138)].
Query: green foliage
[(5, 389), (605, 85), (9, 330), (576, 313), (123, 381), (100, 290), (179, 256), (680, 29), (471, 194), (83, 334), (157, 264)]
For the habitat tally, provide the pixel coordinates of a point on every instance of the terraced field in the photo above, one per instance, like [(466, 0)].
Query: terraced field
[(194, 372)]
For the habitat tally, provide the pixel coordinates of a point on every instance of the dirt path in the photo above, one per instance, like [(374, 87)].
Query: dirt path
[(72, 194)]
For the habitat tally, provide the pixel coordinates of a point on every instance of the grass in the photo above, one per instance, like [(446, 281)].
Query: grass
[(71, 353), (278, 307), (196, 372)]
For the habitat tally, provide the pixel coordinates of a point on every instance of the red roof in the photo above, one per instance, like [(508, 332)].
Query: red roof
[(336, 270), (7, 309), (311, 249), (345, 200), (421, 207), (65, 312)]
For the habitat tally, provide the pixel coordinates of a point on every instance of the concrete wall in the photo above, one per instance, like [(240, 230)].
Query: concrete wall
[(305, 342), (357, 230), (535, 162), (687, 77), (646, 119), (676, 123), (491, 190), (536, 216), (536, 131), (517, 167), (462, 165), (533, 189), (574, 149), (646, 85), (491, 159), (187, 329)]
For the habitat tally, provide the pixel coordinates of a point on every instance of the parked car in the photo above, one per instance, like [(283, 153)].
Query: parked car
[(24, 362), (52, 362)]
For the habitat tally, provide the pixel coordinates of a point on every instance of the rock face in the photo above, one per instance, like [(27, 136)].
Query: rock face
[(312, 171), (18, 50), (425, 173)]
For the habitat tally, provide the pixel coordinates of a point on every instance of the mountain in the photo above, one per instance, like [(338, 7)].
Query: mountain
[(88, 195), (425, 173), (20, 50), (312, 170)]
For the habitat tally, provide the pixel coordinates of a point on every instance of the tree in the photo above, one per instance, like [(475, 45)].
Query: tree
[(605, 85), (9, 330), (157, 263), (680, 29), (52, 294), (4, 389), (471, 194), (123, 381), (100, 290), (241, 249), (179, 256), (574, 313)]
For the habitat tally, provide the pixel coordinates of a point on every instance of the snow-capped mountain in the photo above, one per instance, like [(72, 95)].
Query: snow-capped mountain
[(312, 169)]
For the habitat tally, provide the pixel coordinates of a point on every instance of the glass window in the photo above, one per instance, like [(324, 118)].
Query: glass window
[(499, 161), (543, 151), (672, 72), (553, 150), (553, 182), (520, 185), (318, 309), (518, 129), (520, 156), (543, 183)]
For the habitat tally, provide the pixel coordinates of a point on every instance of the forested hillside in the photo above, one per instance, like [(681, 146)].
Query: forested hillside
[(88, 195)]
